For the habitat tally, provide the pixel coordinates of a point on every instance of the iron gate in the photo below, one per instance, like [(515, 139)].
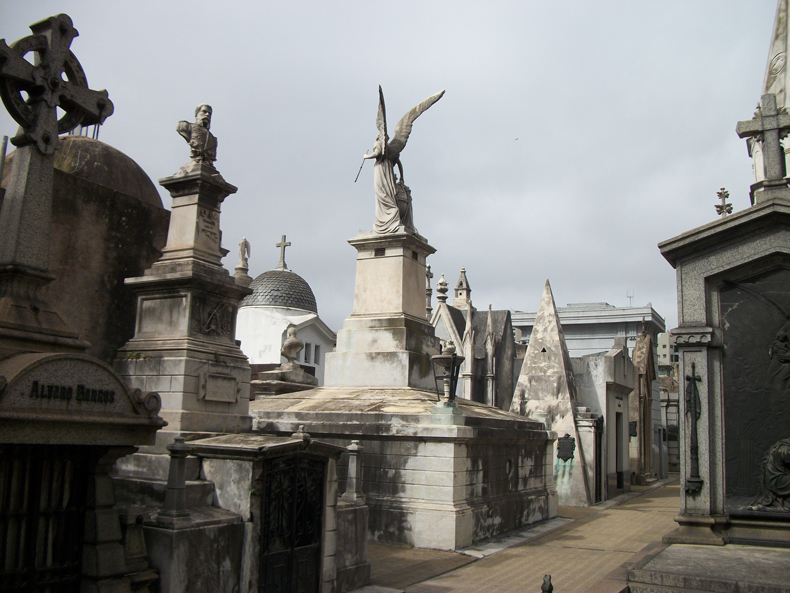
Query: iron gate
[(291, 513), (42, 515)]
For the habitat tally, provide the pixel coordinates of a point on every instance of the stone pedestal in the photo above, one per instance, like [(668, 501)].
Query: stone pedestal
[(387, 341), (433, 476), (733, 304), (184, 345)]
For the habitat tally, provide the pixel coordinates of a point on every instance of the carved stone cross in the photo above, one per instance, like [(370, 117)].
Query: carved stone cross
[(725, 208), (54, 79), (32, 92), (282, 245), (770, 126)]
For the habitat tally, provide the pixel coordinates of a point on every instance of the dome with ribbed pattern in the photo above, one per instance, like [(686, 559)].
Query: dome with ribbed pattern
[(281, 288)]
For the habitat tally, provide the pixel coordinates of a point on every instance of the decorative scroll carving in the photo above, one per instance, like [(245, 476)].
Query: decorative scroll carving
[(212, 317), (146, 403), (693, 410)]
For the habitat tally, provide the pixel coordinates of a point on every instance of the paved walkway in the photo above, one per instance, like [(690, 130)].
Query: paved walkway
[(585, 550)]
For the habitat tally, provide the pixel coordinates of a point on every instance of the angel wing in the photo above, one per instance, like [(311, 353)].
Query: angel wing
[(381, 117), (403, 129)]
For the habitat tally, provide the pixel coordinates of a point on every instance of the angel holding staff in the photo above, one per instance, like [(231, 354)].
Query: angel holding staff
[(393, 197)]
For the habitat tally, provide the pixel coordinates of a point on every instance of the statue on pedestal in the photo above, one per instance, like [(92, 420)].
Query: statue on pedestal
[(393, 197), (202, 143)]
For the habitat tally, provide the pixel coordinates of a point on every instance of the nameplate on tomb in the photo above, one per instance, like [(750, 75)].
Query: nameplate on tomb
[(41, 383), (216, 387)]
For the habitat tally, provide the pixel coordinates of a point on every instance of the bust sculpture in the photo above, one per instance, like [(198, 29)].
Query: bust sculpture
[(393, 197), (202, 143)]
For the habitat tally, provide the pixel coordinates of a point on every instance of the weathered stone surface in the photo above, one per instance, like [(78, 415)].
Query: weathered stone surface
[(706, 568), (203, 559), (437, 481)]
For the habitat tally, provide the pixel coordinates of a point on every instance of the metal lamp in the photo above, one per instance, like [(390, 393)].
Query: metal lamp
[(446, 367)]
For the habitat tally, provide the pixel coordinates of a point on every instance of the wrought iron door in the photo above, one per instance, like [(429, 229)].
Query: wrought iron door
[(291, 512), (42, 514)]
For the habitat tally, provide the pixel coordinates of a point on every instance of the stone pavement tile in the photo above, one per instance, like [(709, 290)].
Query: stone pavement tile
[(522, 569), (398, 566), (576, 512), (514, 538), (616, 530)]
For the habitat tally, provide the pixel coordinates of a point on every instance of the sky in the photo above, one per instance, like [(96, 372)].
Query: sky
[(574, 135)]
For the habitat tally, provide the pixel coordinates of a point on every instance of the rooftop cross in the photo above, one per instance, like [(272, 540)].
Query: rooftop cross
[(768, 126), (724, 209), (282, 245)]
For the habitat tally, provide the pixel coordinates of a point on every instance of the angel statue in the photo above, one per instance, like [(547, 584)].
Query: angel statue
[(393, 197)]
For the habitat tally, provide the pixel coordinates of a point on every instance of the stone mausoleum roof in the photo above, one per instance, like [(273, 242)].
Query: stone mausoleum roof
[(281, 288)]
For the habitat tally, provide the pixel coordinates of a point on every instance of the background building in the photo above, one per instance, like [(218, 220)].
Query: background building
[(281, 297)]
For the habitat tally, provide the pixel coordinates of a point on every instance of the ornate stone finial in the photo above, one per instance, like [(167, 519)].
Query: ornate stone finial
[(291, 347), (282, 245), (463, 292), (724, 208), (441, 290), (202, 143), (393, 198), (428, 291)]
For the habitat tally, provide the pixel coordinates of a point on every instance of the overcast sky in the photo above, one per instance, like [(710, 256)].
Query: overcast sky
[(573, 136)]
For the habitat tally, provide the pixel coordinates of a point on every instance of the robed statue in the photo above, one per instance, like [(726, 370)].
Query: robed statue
[(393, 197)]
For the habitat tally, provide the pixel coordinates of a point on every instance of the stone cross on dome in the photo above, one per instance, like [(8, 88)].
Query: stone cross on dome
[(282, 245), (768, 126)]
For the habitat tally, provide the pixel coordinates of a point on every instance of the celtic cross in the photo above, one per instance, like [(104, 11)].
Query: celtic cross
[(32, 92), (54, 79)]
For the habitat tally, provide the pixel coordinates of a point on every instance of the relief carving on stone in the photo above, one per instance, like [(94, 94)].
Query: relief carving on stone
[(775, 479), (212, 317)]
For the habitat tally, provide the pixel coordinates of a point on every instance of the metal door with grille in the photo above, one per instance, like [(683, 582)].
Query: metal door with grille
[(42, 516), (291, 520)]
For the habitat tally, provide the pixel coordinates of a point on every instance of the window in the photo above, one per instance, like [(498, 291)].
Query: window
[(317, 357), (307, 348)]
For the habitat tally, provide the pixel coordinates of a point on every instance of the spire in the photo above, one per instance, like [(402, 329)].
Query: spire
[(546, 373), (546, 391), (463, 293), (441, 290), (282, 245), (490, 324)]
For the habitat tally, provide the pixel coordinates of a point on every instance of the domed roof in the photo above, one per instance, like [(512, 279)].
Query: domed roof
[(104, 165), (281, 288)]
